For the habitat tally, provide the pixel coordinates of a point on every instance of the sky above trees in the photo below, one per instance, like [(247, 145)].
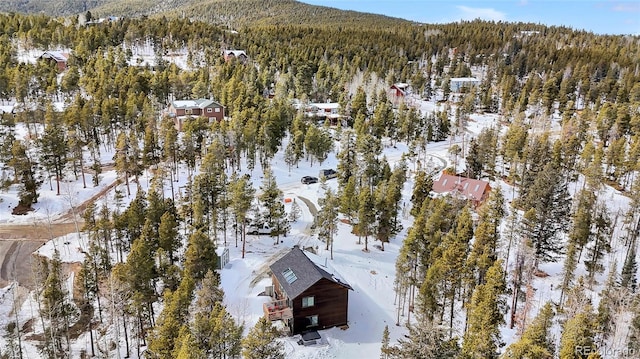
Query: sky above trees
[(600, 17)]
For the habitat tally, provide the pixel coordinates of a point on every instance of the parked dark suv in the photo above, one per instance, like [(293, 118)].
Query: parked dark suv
[(309, 180), (328, 174)]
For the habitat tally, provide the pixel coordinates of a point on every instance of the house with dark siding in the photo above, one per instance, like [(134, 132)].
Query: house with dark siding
[(239, 55), (306, 294)]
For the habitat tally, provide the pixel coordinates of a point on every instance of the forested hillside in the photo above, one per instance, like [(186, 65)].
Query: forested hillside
[(567, 137), (227, 13)]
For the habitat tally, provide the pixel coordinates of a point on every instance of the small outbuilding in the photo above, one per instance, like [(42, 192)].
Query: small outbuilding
[(222, 254)]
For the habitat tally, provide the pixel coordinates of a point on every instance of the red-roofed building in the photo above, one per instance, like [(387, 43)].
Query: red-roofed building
[(474, 190)]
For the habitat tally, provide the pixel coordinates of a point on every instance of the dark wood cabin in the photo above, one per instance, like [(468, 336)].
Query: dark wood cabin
[(306, 295)]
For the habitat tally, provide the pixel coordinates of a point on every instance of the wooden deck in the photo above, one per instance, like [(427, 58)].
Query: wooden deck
[(277, 310)]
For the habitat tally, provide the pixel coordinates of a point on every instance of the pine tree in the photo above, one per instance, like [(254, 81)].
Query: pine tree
[(422, 186), (122, 159), (347, 157), (223, 334), (628, 278), (384, 349), (25, 170), (318, 144), (327, 218), (425, 341), (261, 342), (163, 340), (483, 253), (272, 200), (295, 212), (186, 347), (485, 315), (383, 227), (600, 245), (57, 310), (577, 339), (609, 304), (168, 235), (349, 199), (535, 342), (547, 216), (200, 256), (366, 216), (54, 146), (242, 194), (474, 165)]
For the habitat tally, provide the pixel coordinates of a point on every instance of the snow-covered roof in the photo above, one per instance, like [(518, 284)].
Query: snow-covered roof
[(59, 56), (468, 187), (199, 103), (6, 109), (235, 53), (326, 105), (464, 79), (401, 85)]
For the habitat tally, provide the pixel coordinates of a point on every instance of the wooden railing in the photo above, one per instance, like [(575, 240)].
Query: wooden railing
[(277, 310)]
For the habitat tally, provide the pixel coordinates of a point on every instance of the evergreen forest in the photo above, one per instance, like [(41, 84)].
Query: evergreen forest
[(568, 104)]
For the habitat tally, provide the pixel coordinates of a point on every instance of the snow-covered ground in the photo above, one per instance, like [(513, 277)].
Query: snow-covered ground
[(371, 274)]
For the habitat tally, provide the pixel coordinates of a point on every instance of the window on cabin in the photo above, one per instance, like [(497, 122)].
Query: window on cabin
[(209, 109), (313, 321), (477, 188), (308, 302), (217, 109)]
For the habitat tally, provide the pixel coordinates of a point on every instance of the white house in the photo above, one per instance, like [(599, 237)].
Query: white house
[(457, 83)]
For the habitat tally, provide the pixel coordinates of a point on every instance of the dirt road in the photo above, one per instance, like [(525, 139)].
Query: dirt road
[(18, 242)]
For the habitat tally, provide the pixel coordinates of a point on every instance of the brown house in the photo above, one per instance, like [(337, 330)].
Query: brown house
[(210, 109), (59, 57), (476, 191), (239, 55), (306, 295)]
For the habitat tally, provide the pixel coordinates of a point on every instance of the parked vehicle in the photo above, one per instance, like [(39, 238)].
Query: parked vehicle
[(259, 229), (309, 180), (328, 173)]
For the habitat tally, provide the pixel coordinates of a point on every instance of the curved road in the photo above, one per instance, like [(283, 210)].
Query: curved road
[(18, 242)]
